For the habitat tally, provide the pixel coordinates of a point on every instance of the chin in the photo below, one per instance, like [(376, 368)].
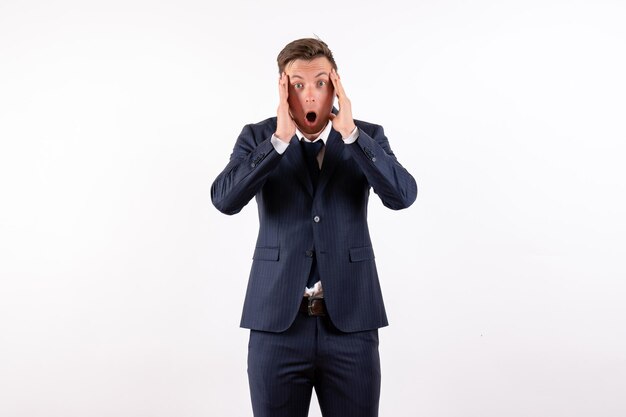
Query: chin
[(315, 129)]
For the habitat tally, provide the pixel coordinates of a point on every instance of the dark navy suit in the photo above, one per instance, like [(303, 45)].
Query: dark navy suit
[(294, 219)]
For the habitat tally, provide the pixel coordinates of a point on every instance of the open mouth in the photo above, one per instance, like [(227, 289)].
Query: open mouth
[(311, 117)]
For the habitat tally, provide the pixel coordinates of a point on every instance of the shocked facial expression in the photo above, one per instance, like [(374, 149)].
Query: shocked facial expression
[(311, 94)]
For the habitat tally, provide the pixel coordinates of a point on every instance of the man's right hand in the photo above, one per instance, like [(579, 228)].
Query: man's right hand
[(285, 126)]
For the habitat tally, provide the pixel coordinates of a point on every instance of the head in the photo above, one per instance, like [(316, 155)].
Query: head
[(307, 63)]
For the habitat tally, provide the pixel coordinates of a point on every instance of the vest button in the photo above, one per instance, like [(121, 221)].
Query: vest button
[(316, 219), (309, 253)]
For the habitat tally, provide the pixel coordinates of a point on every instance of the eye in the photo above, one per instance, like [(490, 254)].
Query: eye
[(321, 83), (297, 86)]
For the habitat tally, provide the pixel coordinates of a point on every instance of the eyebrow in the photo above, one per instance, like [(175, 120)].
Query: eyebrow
[(297, 76)]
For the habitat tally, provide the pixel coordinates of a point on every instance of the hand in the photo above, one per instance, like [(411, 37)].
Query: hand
[(285, 126), (342, 121)]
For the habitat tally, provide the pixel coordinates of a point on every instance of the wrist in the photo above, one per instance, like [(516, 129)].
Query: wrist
[(345, 133), (283, 137)]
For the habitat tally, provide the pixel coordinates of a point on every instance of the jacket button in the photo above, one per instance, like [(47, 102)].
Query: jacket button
[(316, 219), (253, 164), (309, 253)]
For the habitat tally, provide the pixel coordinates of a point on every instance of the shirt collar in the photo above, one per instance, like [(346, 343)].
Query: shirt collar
[(323, 136)]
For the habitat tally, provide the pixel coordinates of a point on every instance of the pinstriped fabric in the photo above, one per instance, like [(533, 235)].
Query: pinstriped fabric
[(290, 353), (293, 220), (343, 368)]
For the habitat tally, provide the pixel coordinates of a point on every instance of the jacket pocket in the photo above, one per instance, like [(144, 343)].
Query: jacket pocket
[(265, 254), (364, 253)]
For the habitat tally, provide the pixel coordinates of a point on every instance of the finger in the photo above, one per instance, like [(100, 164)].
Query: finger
[(339, 91), (282, 87)]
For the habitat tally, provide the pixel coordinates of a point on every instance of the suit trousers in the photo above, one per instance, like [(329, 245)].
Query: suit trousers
[(344, 369)]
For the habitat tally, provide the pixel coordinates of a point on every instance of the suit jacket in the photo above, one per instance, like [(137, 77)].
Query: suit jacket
[(293, 219)]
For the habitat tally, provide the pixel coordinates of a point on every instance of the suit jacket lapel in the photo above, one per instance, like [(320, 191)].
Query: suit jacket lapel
[(332, 155)]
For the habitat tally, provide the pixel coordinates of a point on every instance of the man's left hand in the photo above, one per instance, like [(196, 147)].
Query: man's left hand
[(342, 121)]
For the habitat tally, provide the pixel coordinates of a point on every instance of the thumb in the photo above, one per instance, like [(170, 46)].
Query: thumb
[(332, 116)]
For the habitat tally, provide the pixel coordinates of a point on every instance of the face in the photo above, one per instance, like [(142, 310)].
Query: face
[(311, 94)]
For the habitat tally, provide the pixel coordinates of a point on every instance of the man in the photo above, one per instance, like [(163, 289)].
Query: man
[(313, 302)]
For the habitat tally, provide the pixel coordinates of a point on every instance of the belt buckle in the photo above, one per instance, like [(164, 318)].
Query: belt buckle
[(310, 305)]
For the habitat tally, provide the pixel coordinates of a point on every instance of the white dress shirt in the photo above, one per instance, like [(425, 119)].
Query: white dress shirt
[(281, 147)]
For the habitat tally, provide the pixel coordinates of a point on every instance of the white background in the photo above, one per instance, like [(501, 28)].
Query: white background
[(121, 286)]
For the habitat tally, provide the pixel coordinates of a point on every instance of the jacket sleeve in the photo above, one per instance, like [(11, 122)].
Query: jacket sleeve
[(249, 166), (391, 181)]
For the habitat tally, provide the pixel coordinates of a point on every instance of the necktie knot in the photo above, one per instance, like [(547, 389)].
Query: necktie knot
[(311, 150)]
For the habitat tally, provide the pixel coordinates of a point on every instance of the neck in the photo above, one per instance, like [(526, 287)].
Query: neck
[(311, 137)]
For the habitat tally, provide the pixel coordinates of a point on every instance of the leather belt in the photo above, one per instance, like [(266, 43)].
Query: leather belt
[(312, 306)]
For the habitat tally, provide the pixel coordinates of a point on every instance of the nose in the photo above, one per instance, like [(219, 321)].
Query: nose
[(309, 95)]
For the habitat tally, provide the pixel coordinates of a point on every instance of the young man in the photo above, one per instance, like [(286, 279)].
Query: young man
[(313, 302)]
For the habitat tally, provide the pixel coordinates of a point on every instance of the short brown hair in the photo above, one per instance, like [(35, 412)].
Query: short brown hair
[(306, 49)]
